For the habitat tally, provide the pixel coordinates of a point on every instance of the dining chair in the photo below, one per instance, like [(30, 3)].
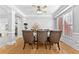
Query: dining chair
[(42, 38), (28, 38), (55, 38)]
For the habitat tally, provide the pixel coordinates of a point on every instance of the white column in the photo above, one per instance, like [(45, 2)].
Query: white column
[(11, 33), (20, 26)]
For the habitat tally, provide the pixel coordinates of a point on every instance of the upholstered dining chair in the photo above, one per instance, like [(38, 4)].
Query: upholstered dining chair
[(55, 38), (28, 37), (42, 38)]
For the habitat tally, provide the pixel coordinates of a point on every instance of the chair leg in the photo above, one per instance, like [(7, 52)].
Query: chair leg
[(34, 41), (58, 46), (46, 45), (24, 45), (32, 46), (37, 45), (49, 46)]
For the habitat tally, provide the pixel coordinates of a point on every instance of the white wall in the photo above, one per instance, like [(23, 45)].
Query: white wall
[(72, 40), (2, 24), (6, 17), (45, 21), (76, 17)]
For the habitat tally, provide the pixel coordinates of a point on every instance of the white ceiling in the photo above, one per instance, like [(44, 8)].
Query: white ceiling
[(28, 9)]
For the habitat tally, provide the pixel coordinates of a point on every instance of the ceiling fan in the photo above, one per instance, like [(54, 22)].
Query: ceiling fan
[(40, 8)]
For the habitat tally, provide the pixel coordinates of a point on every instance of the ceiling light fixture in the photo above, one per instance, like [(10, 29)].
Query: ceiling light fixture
[(40, 8)]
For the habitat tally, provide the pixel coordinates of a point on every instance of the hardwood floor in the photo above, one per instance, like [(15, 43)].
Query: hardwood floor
[(17, 49)]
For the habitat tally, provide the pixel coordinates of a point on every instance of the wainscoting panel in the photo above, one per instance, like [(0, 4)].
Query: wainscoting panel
[(71, 41)]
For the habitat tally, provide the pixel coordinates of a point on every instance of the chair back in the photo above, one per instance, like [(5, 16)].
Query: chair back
[(55, 36), (42, 36), (28, 36)]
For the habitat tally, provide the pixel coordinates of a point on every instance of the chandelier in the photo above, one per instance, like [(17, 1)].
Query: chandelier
[(40, 8)]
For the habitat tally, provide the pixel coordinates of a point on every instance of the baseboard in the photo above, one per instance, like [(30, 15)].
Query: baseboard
[(70, 41), (11, 43)]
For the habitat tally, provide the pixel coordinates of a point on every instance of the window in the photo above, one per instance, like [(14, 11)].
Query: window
[(68, 23)]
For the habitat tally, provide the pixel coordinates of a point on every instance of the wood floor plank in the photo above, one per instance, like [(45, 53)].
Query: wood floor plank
[(17, 49)]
